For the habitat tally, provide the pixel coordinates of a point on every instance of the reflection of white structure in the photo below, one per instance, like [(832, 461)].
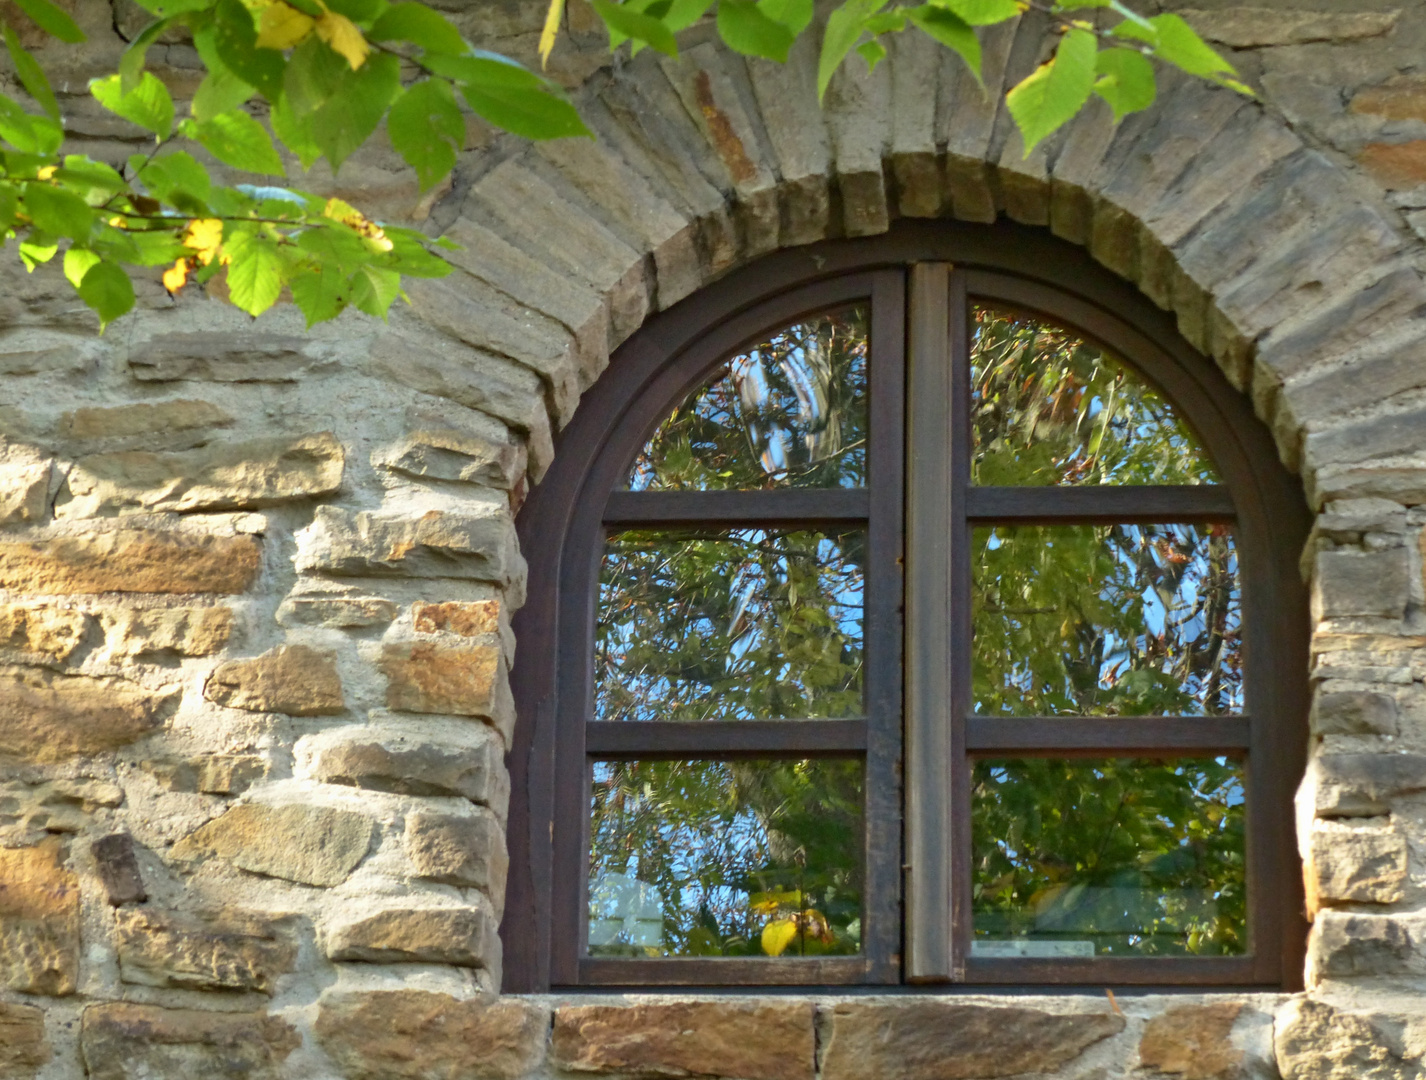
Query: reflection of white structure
[(1017, 948), (625, 911)]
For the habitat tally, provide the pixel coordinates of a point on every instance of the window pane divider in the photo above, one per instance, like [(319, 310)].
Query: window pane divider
[(1125, 736), (724, 738), (1145, 505), (791, 506)]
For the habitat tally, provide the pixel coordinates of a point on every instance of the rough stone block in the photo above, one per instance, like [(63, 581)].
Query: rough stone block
[(1317, 1041), (231, 952), (130, 560), (1350, 583), (24, 492), (160, 632), (45, 717), (1354, 712), (935, 1040), (223, 476), (753, 1040), (1192, 1042), (39, 921), (444, 454), (1363, 785), (335, 606), (41, 633), (474, 619), (123, 1041), (424, 677), (292, 679), (1397, 165), (118, 869), (24, 1050), (183, 421), (465, 936), (1344, 945), (229, 357), (1353, 863), (211, 774), (797, 129), (314, 845), (1255, 27), (465, 850), (412, 758), (438, 543), (418, 1035)]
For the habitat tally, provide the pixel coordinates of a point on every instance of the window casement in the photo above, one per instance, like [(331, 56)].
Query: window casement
[(920, 609)]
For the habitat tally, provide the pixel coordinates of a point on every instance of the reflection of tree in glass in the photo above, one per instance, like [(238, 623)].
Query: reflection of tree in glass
[(790, 412), (1108, 620), (749, 624), (747, 858), (1048, 408), (1140, 857)]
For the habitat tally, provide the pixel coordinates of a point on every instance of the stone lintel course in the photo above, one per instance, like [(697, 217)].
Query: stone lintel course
[(257, 582)]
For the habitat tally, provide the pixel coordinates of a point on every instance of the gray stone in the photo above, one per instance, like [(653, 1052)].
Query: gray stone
[(227, 357), (1354, 712), (444, 454), (228, 952), (292, 679), (915, 65), (224, 476), (1378, 435), (1317, 1041), (118, 869), (124, 1041), (1363, 785), (1344, 945), (1347, 520), (1356, 864), (314, 845), (858, 107), (1255, 27), (941, 1040), (24, 492), (796, 128), (465, 936), (336, 606), (465, 850), (172, 425), (1350, 583), (211, 774)]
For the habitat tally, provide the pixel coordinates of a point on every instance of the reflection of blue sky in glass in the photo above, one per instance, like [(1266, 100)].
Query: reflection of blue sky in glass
[(698, 858), (1107, 620), (1050, 408), (789, 412), (744, 625)]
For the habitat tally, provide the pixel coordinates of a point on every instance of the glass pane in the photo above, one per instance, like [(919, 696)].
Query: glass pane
[(1106, 620), (725, 858), (789, 412), (1050, 408), (1108, 858), (750, 624)]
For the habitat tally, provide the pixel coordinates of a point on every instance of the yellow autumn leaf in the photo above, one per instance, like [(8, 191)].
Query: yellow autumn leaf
[(778, 935), (551, 31), (204, 236), (175, 276), (354, 219), (342, 35), (282, 26)]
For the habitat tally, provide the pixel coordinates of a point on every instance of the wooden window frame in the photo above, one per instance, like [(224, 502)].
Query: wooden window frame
[(916, 886)]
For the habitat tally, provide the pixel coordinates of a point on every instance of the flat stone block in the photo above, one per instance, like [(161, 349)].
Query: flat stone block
[(1363, 865), (123, 1041), (292, 679), (466, 937), (425, 677), (130, 561), (313, 845), (1354, 712), (46, 717), (163, 632), (232, 952), (465, 850), (23, 1046), (1350, 583)]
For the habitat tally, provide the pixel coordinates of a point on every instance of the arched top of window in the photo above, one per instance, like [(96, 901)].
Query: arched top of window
[(850, 568)]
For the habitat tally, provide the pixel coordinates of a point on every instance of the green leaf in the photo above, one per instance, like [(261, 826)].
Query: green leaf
[(948, 28), (295, 132), (58, 212), (165, 9), (32, 76), (845, 27), (132, 62), (981, 12), (1126, 81), (254, 272), (148, 104), (419, 25), (37, 249), (314, 76), (321, 293), (9, 204), (374, 290), (175, 178), (409, 255), (427, 129), (94, 180), (510, 97), (346, 121), (221, 90), (358, 11), (30, 134), (1175, 42), (153, 248), (77, 262), (108, 290), (873, 52), (235, 38), (52, 19), (636, 26), (796, 15), (746, 29), (1051, 96), (236, 139)]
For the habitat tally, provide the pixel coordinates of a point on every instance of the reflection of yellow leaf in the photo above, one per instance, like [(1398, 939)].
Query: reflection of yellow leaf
[(778, 935), (343, 36), (204, 236), (175, 276), (282, 26), (770, 903)]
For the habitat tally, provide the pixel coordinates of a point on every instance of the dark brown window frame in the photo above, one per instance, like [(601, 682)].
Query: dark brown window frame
[(562, 528)]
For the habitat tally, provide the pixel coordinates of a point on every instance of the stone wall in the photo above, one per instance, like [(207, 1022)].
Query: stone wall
[(257, 582)]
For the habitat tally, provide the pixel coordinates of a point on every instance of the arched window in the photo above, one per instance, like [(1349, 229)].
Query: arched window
[(917, 609)]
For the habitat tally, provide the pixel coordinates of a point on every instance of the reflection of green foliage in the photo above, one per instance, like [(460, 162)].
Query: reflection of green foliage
[(790, 412), (1048, 408), (751, 624), (1106, 620), (733, 846), (1140, 857)]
